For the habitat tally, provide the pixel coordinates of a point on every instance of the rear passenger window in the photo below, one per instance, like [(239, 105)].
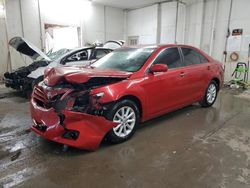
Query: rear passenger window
[(192, 57), (170, 57)]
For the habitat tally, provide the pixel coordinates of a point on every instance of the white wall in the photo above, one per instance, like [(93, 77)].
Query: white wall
[(14, 19), (143, 23), (61, 12), (199, 32), (3, 44), (240, 19), (26, 18), (31, 21), (94, 26), (201, 23), (105, 23), (194, 23), (114, 24), (194, 27), (3, 41), (168, 23)]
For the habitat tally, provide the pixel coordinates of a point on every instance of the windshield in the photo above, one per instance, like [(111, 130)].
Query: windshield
[(125, 59), (57, 54), (53, 55)]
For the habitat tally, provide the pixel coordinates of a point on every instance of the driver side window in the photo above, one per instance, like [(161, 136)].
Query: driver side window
[(171, 57), (78, 56)]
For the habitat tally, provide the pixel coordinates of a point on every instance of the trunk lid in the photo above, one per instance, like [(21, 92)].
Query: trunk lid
[(25, 47), (79, 75)]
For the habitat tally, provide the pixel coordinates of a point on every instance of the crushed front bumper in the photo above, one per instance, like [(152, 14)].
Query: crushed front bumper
[(91, 129)]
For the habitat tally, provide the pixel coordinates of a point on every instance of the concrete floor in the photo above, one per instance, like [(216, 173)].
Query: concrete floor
[(192, 147)]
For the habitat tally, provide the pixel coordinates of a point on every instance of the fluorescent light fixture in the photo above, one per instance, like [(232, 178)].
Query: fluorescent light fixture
[(1, 11)]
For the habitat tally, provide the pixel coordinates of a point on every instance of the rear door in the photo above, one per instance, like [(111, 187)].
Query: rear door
[(197, 68)]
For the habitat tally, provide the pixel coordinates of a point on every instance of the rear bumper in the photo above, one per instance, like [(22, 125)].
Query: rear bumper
[(91, 129)]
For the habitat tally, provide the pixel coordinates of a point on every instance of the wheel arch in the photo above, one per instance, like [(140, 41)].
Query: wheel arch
[(217, 80), (136, 100)]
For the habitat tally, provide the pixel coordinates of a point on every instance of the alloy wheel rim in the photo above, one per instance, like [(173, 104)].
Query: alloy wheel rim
[(126, 118), (211, 93)]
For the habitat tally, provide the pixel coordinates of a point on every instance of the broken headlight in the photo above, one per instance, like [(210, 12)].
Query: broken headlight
[(98, 95), (81, 102)]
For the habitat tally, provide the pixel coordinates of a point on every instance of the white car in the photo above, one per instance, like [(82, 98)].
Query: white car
[(24, 78)]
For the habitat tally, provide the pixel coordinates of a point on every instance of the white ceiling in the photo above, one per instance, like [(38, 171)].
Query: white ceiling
[(130, 4), (127, 4)]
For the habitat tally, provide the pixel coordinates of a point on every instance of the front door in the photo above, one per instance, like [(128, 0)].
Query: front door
[(165, 90)]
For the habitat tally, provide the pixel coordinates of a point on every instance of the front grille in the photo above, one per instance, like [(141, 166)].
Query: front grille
[(41, 98), (43, 101)]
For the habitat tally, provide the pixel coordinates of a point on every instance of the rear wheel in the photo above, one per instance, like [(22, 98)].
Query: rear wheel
[(127, 115), (210, 95)]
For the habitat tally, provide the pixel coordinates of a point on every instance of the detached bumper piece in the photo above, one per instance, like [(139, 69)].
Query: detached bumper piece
[(71, 128)]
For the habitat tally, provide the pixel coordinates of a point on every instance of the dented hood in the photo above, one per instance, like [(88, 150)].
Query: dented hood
[(23, 46), (78, 75)]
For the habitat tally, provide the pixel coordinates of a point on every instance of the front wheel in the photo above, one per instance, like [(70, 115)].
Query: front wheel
[(210, 95), (127, 115)]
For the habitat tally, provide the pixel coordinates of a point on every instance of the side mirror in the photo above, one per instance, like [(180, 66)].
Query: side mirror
[(159, 68)]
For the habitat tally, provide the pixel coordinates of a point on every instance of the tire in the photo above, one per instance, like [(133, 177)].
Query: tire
[(126, 129), (210, 95)]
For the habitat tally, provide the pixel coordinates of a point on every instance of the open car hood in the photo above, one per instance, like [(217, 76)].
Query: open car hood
[(113, 44), (26, 48), (79, 75)]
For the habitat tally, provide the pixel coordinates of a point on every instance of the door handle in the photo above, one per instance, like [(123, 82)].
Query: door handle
[(182, 74)]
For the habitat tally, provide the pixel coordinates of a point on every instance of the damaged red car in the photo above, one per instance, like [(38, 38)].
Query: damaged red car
[(79, 107)]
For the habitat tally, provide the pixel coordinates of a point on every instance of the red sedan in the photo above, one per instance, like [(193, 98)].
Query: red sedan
[(80, 107)]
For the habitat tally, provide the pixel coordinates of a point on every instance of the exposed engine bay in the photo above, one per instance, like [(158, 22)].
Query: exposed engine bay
[(24, 78), (73, 97), (18, 78)]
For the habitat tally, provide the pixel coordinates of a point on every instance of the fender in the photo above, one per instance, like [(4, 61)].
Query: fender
[(116, 91)]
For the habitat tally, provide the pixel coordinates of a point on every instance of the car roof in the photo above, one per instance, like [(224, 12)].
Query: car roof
[(158, 46), (162, 46), (87, 48)]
